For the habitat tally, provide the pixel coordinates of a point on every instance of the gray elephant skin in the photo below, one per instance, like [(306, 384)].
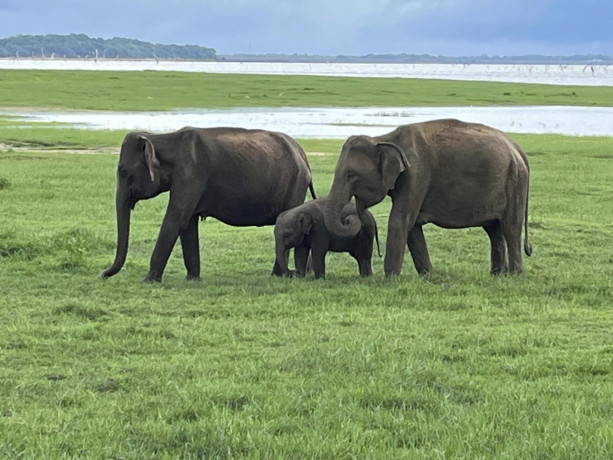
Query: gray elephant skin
[(303, 228), (446, 172), (240, 177)]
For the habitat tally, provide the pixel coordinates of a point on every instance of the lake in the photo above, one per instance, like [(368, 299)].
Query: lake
[(343, 122)]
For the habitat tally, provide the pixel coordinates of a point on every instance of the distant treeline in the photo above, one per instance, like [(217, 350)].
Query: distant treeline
[(82, 46), (404, 58)]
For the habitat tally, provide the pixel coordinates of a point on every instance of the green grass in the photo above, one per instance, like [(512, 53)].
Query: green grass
[(456, 365), (100, 90)]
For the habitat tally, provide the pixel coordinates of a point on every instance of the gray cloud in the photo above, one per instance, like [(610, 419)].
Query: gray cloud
[(453, 27)]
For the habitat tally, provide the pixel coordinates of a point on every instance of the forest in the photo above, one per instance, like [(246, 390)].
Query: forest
[(81, 46)]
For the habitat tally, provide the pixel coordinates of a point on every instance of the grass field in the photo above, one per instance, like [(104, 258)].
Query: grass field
[(455, 365), (100, 90)]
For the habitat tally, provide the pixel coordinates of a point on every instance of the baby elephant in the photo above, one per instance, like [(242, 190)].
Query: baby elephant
[(303, 229)]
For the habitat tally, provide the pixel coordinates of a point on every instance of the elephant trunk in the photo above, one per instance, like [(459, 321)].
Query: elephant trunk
[(338, 198), (282, 261), (123, 207)]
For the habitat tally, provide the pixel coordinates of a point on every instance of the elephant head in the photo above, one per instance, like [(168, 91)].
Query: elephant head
[(138, 177), (367, 169), (291, 228)]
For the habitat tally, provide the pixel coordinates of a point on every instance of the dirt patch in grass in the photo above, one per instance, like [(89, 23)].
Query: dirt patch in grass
[(43, 148)]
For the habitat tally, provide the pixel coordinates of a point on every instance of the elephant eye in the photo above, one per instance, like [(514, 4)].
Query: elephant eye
[(126, 175)]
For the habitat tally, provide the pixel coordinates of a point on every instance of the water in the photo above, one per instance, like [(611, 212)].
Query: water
[(343, 122), (564, 74)]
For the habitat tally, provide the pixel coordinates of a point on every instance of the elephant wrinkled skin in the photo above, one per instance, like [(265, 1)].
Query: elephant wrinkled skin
[(304, 229), (446, 172), (240, 177)]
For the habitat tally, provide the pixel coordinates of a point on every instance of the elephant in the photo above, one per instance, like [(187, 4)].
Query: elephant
[(240, 177), (446, 172), (303, 228)]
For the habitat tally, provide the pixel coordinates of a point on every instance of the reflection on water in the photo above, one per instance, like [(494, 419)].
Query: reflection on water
[(344, 122)]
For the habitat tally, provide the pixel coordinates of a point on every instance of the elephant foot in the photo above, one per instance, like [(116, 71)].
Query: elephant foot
[(152, 278), (499, 269), (287, 274), (193, 277)]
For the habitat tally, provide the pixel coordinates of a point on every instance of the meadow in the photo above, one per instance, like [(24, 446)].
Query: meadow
[(458, 364), (151, 90)]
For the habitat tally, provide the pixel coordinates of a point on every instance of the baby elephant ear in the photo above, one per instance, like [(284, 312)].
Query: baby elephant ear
[(393, 161), (150, 158), (306, 222)]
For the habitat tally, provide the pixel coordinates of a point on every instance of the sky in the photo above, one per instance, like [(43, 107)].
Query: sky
[(331, 27)]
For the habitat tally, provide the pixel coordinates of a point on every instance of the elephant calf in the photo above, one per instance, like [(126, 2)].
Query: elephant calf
[(303, 228)]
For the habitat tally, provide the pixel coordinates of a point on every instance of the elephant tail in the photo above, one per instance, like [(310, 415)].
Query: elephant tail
[(312, 189), (527, 245), (377, 237)]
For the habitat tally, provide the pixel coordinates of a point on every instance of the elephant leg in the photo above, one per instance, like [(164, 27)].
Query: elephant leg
[(318, 256), (512, 235), (397, 234), (364, 264), (498, 250), (174, 224), (301, 257), (191, 249), (363, 254), (419, 250)]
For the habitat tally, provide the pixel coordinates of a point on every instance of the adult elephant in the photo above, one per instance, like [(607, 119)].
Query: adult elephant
[(240, 177), (446, 172)]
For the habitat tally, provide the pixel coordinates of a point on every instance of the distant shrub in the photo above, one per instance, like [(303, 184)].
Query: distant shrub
[(4, 183)]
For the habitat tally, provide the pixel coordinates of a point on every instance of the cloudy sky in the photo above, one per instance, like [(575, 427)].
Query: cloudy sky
[(331, 27)]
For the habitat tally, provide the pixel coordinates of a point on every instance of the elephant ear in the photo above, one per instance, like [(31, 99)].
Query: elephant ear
[(393, 161), (150, 157), (306, 222)]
